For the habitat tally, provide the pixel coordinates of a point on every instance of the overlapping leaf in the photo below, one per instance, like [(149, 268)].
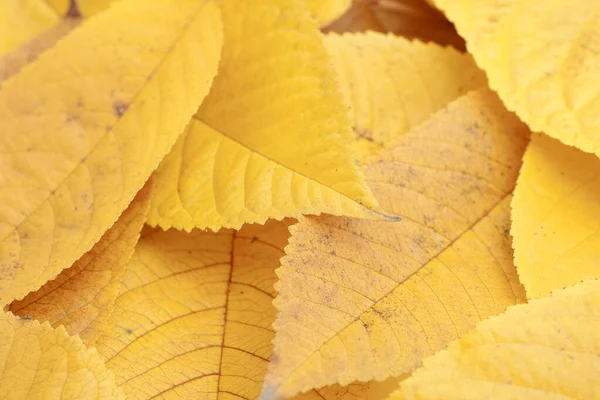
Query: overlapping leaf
[(363, 299), (84, 126), (394, 84), (21, 21), (556, 217), (82, 297), (38, 362), (542, 57), (326, 10), (272, 138), (193, 316), (547, 349), (82, 8)]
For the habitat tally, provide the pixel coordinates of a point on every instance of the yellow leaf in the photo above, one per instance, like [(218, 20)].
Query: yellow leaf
[(39, 362), (82, 297), (85, 125), (326, 10), (362, 300), (394, 84), (542, 57), (22, 20), (547, 349), (13, 61), (194, 313), (354, 391), (272, 139), (80, 8), (556, 217)]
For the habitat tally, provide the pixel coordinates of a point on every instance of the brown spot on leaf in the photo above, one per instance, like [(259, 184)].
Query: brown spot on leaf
[(120, 108), (73, 11)]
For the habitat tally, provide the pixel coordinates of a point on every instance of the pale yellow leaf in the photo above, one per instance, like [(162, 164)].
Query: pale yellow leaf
[(85, 125), (354, 391), (272, 139), (362, 300), (81, 8), (82, 297), (326, 10), (38, 362), (13, 61), (547, 349), (542, 57), (194, 313), (556, 217), (22, 20), (394, 84)]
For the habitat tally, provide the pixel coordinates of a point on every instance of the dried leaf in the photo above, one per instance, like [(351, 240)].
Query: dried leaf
[(542, 57), (39, 362), (82, 297), (193, 316), (394, 84), (547, 349), (272, 139), (77, 143), (362, 300), (22, 20), (556, 217)]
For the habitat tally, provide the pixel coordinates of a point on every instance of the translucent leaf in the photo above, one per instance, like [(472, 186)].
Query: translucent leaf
[(39, 362), (272, 139), (85, 125), (542, 57), (547, 349), (194, 313), (556, 217), (22, 20), (394, 84), (82, 297), (362, 300)]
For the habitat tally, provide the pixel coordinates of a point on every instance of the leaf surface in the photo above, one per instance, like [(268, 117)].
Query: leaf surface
[(547, 349), (22, 20), (556, 217), (80, 8), (272, 139), (326, 10), (542, 57), (82, 297), (394, 84), (85, 125), (362, 300), (194, 313), (38, 362)]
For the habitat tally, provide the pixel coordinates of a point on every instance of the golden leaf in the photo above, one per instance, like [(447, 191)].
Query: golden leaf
[(326, 10), (39, 362), (85, 125), (542, 57), (547, 349), (272, 139), (82, 297), (194, 312), (394, 84), (556, 217), (412, 19), (80, 8), (362, 300), (22, 20)]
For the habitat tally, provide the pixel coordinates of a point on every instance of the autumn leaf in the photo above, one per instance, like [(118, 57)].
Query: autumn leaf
[(394, 84), (78, 142), (39, 362), (411, 19), (82, 297), (362, 300), (556, 216), (547, 349), (194, 313), (272, 139), (80, 8), (542, 57), (21, 21), (326, 10)]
